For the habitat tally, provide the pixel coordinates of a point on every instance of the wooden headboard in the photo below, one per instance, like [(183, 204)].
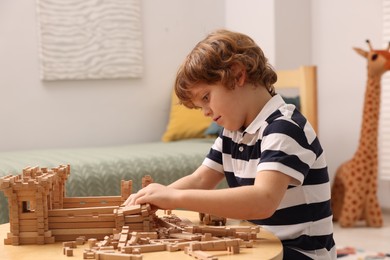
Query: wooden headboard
[(305, 80)]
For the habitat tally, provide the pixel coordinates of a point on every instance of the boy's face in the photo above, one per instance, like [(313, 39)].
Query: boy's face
[(226, 107)]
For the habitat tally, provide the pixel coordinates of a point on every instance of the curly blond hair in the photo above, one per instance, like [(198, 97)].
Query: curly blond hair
[(212, 59)]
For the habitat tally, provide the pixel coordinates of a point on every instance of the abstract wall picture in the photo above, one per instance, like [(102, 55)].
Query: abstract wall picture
[(90, 39)]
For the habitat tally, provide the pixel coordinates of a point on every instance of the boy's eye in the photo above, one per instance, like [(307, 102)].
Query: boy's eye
[(205, 97)]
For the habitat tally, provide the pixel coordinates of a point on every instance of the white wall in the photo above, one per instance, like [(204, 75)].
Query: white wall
[(281, 28), (293, 33), (36, 114), (337, 27), (255, 18)]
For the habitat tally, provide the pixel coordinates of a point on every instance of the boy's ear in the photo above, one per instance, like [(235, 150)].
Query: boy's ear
[(239, 73)]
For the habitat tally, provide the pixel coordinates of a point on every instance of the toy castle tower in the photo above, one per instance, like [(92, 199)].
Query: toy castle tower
[(30, 196)]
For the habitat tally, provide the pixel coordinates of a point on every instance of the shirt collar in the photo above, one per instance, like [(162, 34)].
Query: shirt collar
[(271, 106)]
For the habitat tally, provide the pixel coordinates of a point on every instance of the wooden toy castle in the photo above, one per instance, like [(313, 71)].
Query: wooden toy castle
[(40, 213)]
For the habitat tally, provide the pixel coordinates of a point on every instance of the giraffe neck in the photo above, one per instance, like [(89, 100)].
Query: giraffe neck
[(368, 143)]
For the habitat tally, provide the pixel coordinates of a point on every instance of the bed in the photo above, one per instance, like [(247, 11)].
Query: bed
[(97, 171)]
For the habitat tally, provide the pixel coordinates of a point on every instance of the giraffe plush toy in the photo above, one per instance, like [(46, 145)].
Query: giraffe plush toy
[(354, 191)]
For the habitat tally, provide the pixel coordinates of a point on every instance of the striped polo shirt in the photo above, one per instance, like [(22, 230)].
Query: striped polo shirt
[(281, 139)]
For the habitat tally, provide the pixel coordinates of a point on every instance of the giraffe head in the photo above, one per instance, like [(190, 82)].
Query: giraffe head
[(378, 61)]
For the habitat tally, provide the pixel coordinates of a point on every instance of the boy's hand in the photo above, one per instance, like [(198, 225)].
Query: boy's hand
[(155, 194), (129, 201)]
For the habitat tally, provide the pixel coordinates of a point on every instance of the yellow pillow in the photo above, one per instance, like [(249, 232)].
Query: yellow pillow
[(185, 123)]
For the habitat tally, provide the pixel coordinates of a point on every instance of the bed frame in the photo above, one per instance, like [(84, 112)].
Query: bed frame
[(304, 79)]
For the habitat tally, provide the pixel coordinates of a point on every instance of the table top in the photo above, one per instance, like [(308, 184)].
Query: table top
[(268, 246)]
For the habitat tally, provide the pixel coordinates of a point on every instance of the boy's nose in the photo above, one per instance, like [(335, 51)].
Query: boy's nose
[(207, 112)]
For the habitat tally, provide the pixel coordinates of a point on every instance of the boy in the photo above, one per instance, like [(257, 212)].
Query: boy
[(268, 152)]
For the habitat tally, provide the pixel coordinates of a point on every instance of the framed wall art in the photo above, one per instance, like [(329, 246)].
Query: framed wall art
[(89, 39)]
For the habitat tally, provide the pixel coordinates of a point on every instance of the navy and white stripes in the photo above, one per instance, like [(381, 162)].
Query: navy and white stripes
[(281, 139)]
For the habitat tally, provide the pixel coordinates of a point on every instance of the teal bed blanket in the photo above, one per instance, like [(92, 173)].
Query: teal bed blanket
[(98, 171)]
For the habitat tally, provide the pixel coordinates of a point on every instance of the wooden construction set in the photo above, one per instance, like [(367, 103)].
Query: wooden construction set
[(40, 213)]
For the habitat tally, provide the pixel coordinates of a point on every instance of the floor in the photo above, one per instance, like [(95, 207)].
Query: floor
[(365, 238)]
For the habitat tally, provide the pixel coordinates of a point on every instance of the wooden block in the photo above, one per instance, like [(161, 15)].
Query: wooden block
[(28, 234), (132, 241), (207, 237), (123, 238), (27, 240), (136, 226), (4, 184), (49, 240), (133, 218), (148, 247), (27, 228), (94, 199), (146, 207), (107, 248), (178, 246), (144, 213), (69, 237), (68, 251), (81, 231), (199, 254), (126, 189), (130, 210), (87, 202), (7, 241), (92, 242), (116, 235), (70, 244), (88, 254), (115, 244), (234, 249), (146, 180), (255, 229), (117, 256), (187, 236), (125, 230), (80, 240), (84, 225), (150, 235), (219, 245), (12, 240), (28, 215), (87, 218), (81, 211), (40, 240)]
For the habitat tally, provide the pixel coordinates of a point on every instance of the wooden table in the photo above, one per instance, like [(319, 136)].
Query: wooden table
[(267, 246)]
